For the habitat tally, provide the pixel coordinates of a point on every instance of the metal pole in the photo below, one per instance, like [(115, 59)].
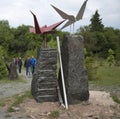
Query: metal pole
[(63, 83)]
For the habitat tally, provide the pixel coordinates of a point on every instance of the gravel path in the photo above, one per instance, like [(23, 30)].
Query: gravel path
[(10, 89)]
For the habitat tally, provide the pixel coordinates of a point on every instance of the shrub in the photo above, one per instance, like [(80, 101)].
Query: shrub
[(91, 68)]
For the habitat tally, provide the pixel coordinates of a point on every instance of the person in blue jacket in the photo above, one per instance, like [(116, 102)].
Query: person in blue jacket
[(33, 63)]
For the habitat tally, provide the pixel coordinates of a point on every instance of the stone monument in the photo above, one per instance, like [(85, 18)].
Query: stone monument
[(44, 82), (75, 75)]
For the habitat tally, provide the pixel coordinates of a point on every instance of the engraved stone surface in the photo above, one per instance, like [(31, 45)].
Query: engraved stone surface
[(75, 74)]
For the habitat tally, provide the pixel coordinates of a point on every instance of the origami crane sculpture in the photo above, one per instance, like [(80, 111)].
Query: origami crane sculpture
[(44, 29), (71, 19)]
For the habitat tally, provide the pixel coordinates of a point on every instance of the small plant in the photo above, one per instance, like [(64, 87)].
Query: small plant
[(111, 58), (116, 99), (54, 114), (18, 100), (2, 104), (10, 109)]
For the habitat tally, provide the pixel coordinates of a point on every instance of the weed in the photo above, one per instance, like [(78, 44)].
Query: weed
[(18, 99), (2, 104), (10, 109), (54, 114), (116, 99)]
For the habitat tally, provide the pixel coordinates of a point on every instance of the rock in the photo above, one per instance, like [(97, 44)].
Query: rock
[(75, 74), (13, 72), (44, 83)]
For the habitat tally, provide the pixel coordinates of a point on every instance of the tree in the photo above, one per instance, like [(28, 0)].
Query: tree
[(96, 22), (3, 69), (6, 35)]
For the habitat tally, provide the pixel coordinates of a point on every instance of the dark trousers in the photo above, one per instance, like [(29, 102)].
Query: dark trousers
[(33, 69), (28, 71), (19, 68)]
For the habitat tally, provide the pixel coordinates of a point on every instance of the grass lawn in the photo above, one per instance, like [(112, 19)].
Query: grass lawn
[(106, 75)]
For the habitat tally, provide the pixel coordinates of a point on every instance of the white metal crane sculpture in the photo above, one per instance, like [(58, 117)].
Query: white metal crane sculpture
[(71, 19)]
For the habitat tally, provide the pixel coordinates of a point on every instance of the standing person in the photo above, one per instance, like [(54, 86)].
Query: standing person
[(27, 65), (19, 64), (33, 62)]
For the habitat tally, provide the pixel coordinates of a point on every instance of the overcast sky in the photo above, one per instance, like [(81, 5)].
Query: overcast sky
[(17, 12)]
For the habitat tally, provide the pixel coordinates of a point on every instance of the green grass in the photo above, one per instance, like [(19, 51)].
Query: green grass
[(20, 98), (7, 80), (2, 103), (107, 75), (15, 100), (54, 114), (116, 99)]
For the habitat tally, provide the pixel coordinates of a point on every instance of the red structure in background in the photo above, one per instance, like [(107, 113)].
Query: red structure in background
[(44, 29)]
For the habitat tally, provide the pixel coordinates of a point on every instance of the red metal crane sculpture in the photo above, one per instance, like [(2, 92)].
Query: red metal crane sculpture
[(44, 29)]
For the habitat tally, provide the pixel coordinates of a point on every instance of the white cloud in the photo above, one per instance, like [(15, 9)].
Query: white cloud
[(17, 11)]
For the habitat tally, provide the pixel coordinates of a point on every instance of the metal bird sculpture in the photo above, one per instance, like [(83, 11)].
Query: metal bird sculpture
[(71, 19), (44, 29)]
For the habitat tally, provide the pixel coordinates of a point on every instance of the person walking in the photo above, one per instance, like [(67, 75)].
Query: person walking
[(27, 65), (33, 62), (19, 64)]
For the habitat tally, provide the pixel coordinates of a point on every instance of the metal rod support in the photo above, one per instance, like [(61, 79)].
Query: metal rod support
[(62, 74)]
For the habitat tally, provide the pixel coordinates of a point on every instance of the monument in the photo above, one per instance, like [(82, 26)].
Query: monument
[(44, 83), (75, 74)]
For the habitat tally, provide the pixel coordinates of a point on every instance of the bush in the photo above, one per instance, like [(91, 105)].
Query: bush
[(91, 68), (3, 69)]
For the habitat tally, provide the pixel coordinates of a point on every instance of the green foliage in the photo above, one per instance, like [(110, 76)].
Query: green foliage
[(31, 53), (52, 43), (111, 59), (3, 69), (99, 43), (23, 41), (91, 68), (5, 34), (96, 22)]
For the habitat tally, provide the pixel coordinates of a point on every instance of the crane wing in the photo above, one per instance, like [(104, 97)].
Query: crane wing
[(37, 28), (62, 14), (81, 11)]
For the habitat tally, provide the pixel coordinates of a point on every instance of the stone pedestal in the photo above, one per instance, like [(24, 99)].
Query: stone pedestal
[(44, 83), (75, 74)]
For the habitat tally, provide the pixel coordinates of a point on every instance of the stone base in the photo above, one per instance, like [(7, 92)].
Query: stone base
[(44, 83)]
